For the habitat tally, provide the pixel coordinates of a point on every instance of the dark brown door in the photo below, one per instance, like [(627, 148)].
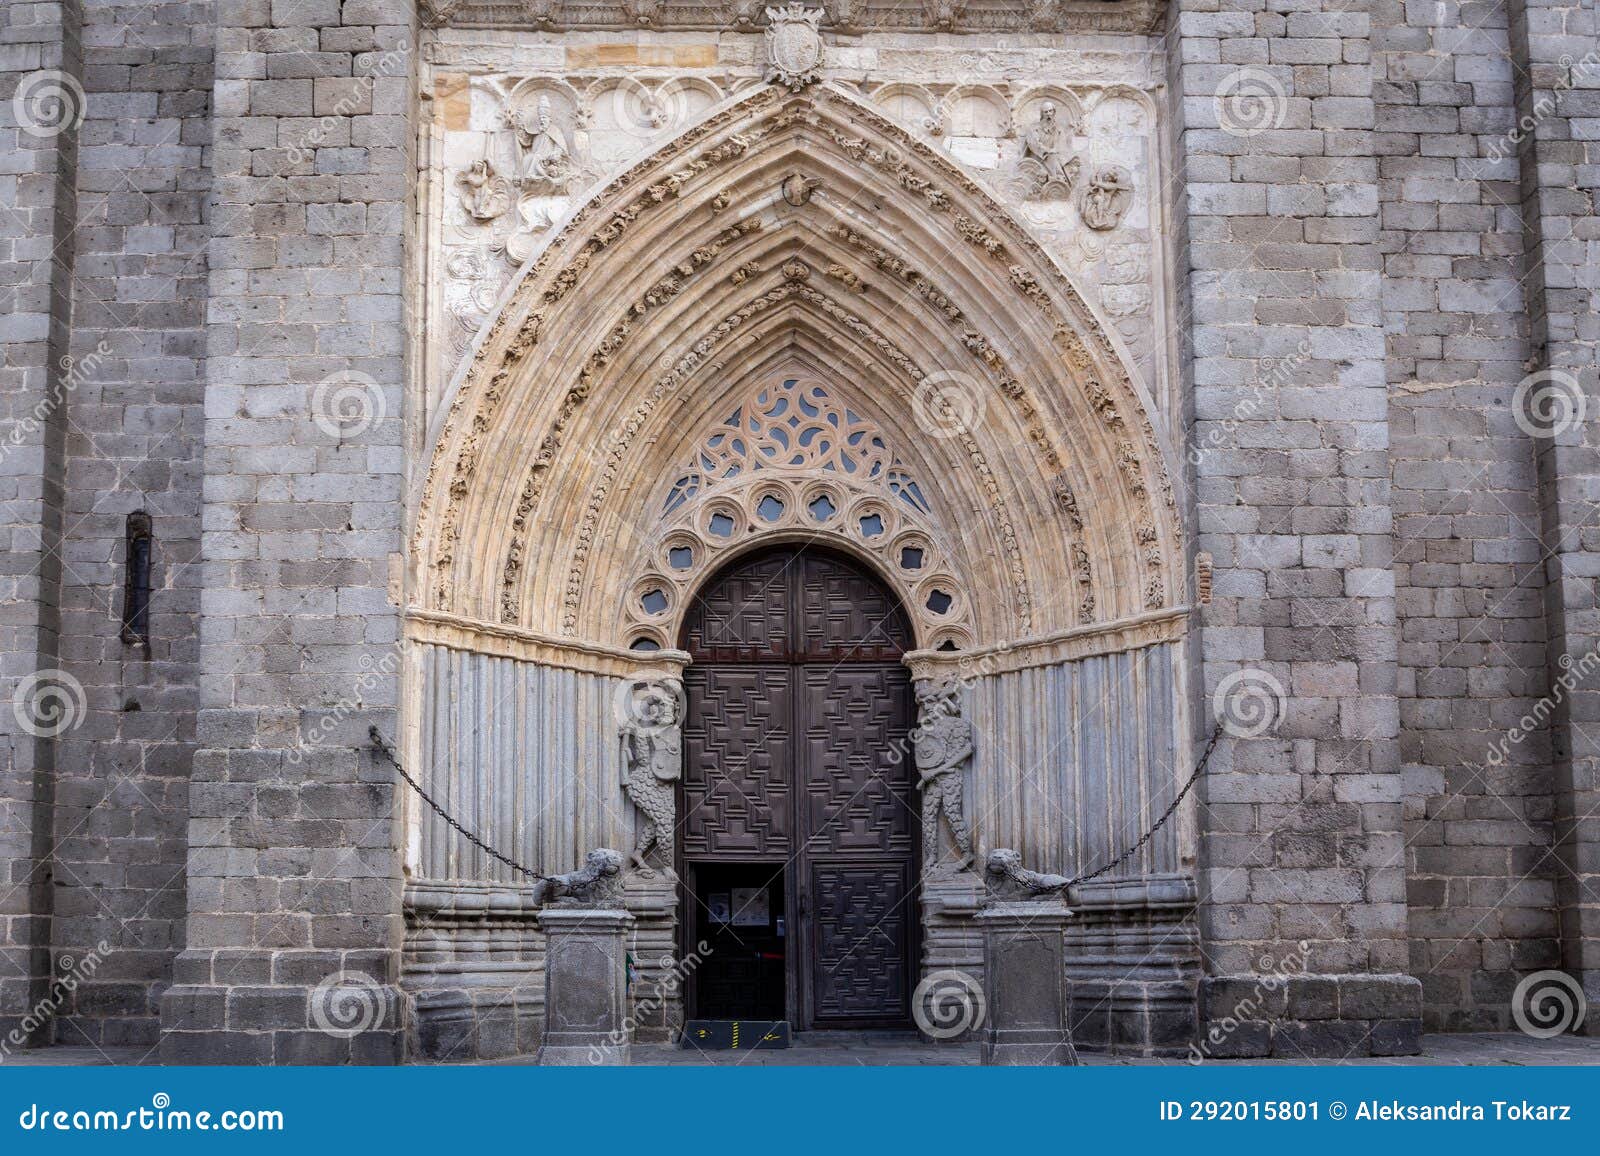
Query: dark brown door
[(796, 757)]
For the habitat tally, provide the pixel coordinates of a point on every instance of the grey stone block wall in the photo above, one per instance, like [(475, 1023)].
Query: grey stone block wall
[(1469, 570), (40, 48), (1301, 824), (133, 445), (1557, 100), (294, 879)]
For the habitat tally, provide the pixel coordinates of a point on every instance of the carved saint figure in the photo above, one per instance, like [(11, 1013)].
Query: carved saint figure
[(1048, 145), (483, 192), (1105, 199), (546, 163), (652, 759), (943, 747)]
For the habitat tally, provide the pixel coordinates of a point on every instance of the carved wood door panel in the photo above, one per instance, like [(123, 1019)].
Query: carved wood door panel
[(796, 755)]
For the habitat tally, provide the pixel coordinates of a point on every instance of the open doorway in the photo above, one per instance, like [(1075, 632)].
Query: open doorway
[(739, 914)]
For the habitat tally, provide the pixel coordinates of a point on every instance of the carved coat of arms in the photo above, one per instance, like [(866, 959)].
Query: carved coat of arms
[(794, 44)]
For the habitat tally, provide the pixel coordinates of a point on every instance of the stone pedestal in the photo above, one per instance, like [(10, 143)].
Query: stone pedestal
[(1026, 984), (655, 999), (585, 986)]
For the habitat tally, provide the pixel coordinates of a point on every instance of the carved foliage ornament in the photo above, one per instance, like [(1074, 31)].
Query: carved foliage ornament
[(794, 45)]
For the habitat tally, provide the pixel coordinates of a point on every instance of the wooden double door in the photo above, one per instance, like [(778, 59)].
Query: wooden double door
[(798, 772)]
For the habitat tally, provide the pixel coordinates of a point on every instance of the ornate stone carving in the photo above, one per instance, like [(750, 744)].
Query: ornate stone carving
[(844, 15), (544, 156), (652, 761), (1009, 879), (597, 884), (797, 189), (794, 45), (1048, 169), (1106, 198), (542, 13), (644, 13), (944, 15), (436, 13), (796, 457), (943, 747), (484, 193)]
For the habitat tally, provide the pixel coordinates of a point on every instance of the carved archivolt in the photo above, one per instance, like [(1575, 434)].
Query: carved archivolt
[(692, 282), (795, 460)]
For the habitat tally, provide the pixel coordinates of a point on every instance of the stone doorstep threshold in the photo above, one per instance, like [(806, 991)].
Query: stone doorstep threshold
[(820, 1048)]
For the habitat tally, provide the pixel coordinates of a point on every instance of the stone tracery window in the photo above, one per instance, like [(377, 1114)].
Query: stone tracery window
[(793, 459)]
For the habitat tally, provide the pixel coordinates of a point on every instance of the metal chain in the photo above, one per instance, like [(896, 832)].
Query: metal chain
[(388, 753), (1194, 777)]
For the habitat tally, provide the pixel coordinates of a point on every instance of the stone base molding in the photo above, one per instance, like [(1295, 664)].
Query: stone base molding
[(282, 1006), (1132, 964), (655, 994), (473, 972), (1309, 1016)]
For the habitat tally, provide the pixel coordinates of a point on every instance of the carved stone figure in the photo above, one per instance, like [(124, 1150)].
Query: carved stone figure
[(794, 45), (546, 161), (943, 747), (1048, 169), (797, 189), (597, 884), (642, 12), (652, 760), (542, 13), (944, 14), (1009, 879), (484, 193), (1106, 198)]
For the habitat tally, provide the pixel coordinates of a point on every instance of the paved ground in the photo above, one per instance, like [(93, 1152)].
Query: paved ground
[(884, 1048)]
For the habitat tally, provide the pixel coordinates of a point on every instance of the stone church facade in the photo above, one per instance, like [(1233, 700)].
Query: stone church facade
[(863, 405)]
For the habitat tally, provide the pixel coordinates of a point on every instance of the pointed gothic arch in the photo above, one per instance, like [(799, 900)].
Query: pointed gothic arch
[(794, 234)]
